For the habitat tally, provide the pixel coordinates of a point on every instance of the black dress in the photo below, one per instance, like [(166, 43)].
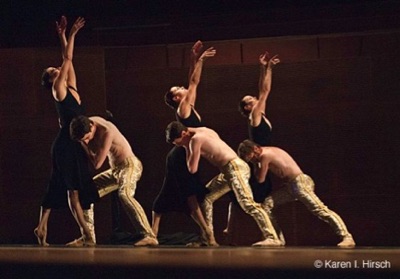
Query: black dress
[(70, 168), (179, 183)]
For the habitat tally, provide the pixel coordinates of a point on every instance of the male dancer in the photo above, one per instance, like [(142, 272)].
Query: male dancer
[(298, 186), (181, 189), (102, 139), (204, 142)]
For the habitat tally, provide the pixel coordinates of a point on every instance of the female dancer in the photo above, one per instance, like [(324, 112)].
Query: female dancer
[(181, 190), (70, 171)]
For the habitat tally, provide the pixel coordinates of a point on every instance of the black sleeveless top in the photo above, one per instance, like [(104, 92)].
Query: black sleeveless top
[(68, 108), (261, 134), (191, 121)]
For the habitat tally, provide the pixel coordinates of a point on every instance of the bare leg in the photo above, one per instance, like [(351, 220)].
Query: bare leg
[(228, 221), (198, 217), (155, 224), (77, 212), (41, 230)]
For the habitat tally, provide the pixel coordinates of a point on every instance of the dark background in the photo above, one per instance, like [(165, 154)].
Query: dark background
[(334, 103)]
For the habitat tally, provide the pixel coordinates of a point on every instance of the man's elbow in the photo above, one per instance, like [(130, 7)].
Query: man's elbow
[(97, 164), (96, 167), (192, 169), (260, 179)]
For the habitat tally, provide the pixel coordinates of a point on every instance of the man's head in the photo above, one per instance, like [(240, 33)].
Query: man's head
[(249, 151), (246, 105), (81, 129), (174, 96), (175, 133)]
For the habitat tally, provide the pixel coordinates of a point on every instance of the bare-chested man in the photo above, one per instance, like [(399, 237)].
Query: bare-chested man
[(204, 142), (297, 186), (101, 139)]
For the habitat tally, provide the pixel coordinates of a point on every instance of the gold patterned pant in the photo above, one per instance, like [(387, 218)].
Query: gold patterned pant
[(235, 176), (124, 177), (302, 189), (88, 215)]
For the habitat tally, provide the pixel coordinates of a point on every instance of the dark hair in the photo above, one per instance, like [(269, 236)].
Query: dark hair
[(242, 110), (45, 80), (168, 98), (174, 130), (246, 147), (79, 127)]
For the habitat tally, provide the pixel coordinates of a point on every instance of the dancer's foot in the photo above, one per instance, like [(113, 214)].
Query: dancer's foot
[(41, 237), (347, 242), (208, 239), (202, 243), (89, 242), (269, 242), (195, 244), (147, 241), (212, 242), (80, 242), (225, 232)]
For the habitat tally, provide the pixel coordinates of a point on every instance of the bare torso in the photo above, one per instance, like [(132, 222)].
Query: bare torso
[(212, 147), (110, 139), (280, 163)]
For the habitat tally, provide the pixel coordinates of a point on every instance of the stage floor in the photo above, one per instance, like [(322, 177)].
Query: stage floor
[(180, 262)]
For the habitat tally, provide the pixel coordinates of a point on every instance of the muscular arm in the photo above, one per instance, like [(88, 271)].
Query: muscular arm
[(193, 155), (261, 169), (97, 157)]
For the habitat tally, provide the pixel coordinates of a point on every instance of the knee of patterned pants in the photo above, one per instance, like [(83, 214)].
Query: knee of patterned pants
[(268, 204)]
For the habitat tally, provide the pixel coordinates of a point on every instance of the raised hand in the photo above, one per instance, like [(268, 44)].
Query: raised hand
[(267, 61), (78, 24), (273, 61), (196, 48), (61, 26), (210, 52), (263, 58)]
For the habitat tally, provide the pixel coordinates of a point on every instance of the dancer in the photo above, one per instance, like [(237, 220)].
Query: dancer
[(297, 185), (70, 172), (101, 139), (204, 142), (254, 109), (259, 127), (181, 190)]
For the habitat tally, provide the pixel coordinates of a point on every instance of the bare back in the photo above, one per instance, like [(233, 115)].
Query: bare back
[(279, 162), (210, 146), (109, 140)]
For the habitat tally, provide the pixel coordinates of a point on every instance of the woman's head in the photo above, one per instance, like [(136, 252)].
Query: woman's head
[(49, 75), (174, 96), (246, 105)]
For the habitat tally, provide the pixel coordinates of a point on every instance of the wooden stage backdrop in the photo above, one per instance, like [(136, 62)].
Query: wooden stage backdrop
[(334, 106)]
